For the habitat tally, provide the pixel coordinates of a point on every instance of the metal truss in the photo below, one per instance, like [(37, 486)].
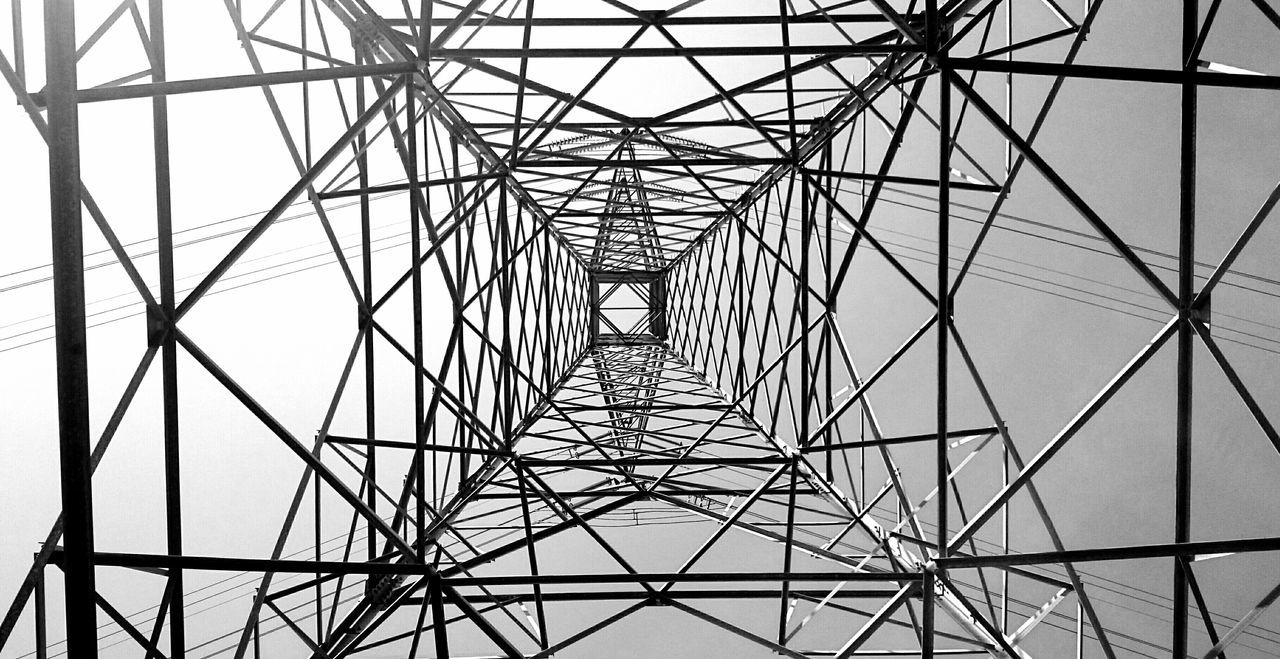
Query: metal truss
[(645, 400)]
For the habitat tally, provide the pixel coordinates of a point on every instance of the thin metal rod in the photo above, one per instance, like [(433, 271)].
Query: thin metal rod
[(1126, 553), (169, 349)]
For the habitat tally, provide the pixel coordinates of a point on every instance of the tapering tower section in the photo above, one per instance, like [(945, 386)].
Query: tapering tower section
[(516, 328)]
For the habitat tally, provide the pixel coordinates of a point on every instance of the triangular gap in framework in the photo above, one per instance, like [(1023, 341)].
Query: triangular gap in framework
[(1117, 447), (1243, 602), (118, 31), (1045, 25), (1252, 22), (1233, 432), (261, 430), (1089, 216)]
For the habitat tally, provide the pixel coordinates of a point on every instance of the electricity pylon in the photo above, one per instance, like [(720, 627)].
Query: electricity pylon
[(635, 394)]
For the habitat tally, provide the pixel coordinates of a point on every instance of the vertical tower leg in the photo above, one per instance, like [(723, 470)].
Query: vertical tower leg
[(69, 322)]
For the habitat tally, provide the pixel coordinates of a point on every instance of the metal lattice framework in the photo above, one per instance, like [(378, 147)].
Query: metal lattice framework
[(632, 393)]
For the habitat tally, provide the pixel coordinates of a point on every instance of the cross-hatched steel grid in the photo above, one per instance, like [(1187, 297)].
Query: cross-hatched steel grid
[(642, 325)]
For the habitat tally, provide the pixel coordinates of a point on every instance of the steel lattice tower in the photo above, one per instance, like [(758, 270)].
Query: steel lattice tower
[(625, 337)]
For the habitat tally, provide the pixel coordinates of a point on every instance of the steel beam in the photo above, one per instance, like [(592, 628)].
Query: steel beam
[(69, 319)]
